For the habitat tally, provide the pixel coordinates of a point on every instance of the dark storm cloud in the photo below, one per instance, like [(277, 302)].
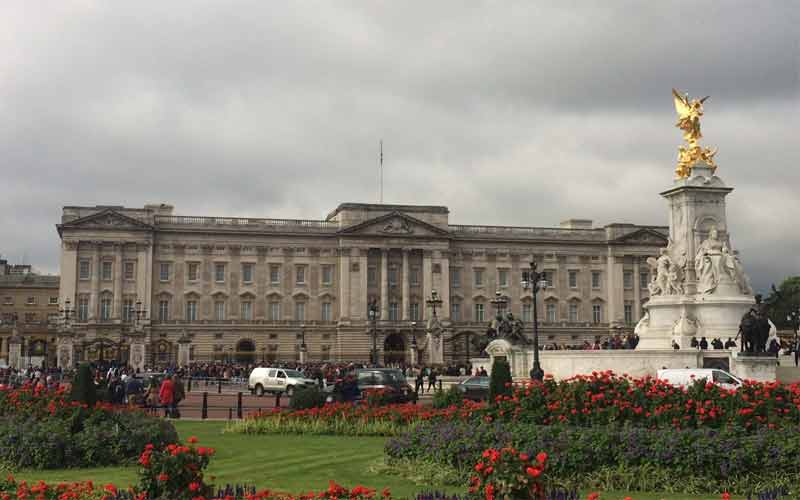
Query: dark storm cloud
[(509, 113)]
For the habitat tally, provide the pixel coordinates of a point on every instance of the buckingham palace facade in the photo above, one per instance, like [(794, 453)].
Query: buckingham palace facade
[(253, 290)]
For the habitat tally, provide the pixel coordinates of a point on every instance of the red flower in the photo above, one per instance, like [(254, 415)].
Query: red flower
[(163, 477), (194, 486), (593, 496), (192, 440), (541, 457)]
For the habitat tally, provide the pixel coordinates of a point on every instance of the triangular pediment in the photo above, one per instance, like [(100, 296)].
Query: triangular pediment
[(644, 236), (394, 224), (106, 219)]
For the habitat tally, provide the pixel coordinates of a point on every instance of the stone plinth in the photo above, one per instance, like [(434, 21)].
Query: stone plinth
[(65, 355), (137, 355), (759, 368), (15, 360)]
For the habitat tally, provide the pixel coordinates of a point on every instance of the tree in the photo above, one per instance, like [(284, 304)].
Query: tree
[(83, 388), (500, 381), (783, 300)]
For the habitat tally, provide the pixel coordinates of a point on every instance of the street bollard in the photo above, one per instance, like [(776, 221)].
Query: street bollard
[(219, 386), (204, 411), (440, 385), (230, 413), (277, 400), (239, 405)]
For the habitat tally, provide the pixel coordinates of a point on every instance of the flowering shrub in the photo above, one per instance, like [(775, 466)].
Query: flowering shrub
[(706, 460), (174, 472), (508, 473), (603, 398), (43, 429), (349, 419)]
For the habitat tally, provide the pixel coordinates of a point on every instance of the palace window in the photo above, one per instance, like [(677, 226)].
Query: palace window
[(455, 312), (53, 301), (191, 310), (527, 311), (628, 308), (105, 308), (327, 312), (31, 301), (455, 277), (479, 310), (627, 280), (84, 269), (300, 275), (573, 312), (8, 301), (247, 310), (478, 274), (551, 312), (191, 271), (83, 309), (30, 317), (547, 276), (274, 311), (127, 310), (392, 275), (163, 274), (644, 280), (300, 311), (107, 270), (275, 274), (327, 275), (247, 273), (163, 310), (502, 277), (414, 311), (573, 279), (372, 276), (595, 279), (219, 310), (393, 310), (413, 276), (597, 313), (219, 272), (129, 269)]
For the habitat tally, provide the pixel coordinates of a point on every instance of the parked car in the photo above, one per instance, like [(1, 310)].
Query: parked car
[(683, 377), (390, 380), (273, 380), (475, 388)]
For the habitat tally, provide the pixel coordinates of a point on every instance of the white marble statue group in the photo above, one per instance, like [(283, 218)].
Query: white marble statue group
[(713, 262)]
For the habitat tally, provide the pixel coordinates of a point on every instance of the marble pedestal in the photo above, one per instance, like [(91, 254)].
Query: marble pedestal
[(758, 368)]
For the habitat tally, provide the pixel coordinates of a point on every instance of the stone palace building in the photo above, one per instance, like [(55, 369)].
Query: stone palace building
[(251, 289)]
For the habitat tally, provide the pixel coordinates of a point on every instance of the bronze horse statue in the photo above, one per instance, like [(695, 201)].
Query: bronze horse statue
[(754, 329)]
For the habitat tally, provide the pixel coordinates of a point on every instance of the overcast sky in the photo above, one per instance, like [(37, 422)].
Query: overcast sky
[(509, 113)]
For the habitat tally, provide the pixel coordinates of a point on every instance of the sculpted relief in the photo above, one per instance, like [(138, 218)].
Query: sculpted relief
[(667, 272)]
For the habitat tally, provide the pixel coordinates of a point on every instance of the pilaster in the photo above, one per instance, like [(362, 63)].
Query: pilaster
[(427, 280), (406, 286), (384, 284)]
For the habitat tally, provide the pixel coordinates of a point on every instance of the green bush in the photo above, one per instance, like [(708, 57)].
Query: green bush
[(307, 397), (83, 388), (450, 397), (500, 381)]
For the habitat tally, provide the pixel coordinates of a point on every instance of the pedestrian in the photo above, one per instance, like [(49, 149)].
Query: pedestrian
[(166, 395), (179, 394), (419, 382), (703, 343), (431, 379)]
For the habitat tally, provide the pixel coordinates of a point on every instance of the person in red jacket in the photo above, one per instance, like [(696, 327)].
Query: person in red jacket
[(166, 396)]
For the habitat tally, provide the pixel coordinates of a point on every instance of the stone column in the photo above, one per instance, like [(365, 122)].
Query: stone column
[(144, 276), (65, 355), (15, 359), (137, 354), (406, 287), (363, 268), (384, 284), (184, 351), (94, 297), (69, 273), (116, 312), (427, 282), (344, 284), (637, 292), (444, 285)]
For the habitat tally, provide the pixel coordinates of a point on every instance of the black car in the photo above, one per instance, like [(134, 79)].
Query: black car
[(390, 380), (475, 388)]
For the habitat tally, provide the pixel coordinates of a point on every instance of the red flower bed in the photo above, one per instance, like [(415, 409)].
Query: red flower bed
[(37, 402), (604, 398)]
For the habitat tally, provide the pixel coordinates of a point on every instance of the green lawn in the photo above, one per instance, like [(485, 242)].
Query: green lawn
[(285, 463)]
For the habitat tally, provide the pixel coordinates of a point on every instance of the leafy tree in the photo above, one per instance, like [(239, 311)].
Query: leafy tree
[(783, 300), (83, 388), (500, 381)]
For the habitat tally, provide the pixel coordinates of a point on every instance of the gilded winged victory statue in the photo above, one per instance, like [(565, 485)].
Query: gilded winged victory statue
[(689, 113)]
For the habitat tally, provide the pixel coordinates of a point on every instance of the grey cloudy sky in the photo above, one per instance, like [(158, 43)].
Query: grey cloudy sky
[(517, 113)]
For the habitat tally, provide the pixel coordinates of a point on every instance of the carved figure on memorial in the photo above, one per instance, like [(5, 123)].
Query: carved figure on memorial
[(644, 322), (736, 271), (689, 113), (667, 275), (515, 330), (434, 327), (709, 262)]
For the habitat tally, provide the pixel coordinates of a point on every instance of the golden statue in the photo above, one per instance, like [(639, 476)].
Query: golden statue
[(689, 113)]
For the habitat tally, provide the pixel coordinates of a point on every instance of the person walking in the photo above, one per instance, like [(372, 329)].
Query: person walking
[(431, 379), (179, 394), (166, 396), (419, 382)]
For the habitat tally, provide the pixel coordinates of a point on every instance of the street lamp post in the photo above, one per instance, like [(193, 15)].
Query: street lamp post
[(414, 360), (499, 302), (794, 319), (534, 280), (373, 318), (303, 347), (434, 302)]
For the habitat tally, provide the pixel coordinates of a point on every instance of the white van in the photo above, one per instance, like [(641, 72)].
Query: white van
[(684, 377), (276, 380)]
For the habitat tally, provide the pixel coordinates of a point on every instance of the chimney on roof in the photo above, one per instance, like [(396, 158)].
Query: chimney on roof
[(159, 208), (576, 224)]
